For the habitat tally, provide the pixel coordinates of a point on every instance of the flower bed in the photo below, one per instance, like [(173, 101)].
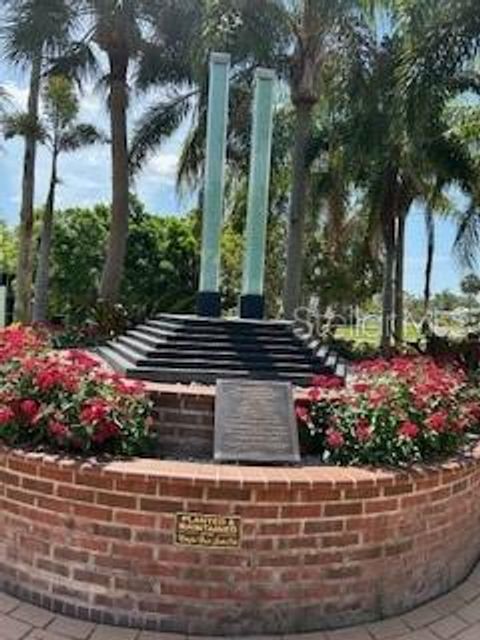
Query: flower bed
[(66, 401), (393, 412)]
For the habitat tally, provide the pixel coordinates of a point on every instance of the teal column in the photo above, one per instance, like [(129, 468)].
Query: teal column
[(252, 300), (208, 300), (3, 306)]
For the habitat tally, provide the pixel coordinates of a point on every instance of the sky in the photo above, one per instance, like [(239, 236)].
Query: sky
[(85, 180)]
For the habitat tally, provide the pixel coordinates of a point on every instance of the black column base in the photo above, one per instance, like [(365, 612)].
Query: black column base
[(252, 306), (209, 304)]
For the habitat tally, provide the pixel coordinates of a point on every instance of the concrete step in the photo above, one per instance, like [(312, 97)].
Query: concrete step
[(207, 376), (230, 324), (204, 361), (190, 349), (166, 351), (150, 342), (189, 335)]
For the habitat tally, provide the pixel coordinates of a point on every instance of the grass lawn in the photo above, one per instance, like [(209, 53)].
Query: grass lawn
[(371, 334)]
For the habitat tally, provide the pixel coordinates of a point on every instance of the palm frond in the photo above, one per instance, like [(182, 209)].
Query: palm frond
[(467, 239), (155, 126), (79, 136)]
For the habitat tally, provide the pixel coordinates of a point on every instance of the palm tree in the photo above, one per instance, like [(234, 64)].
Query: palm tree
[(134, 36), (62, 134), (320, 31), (34, 31)]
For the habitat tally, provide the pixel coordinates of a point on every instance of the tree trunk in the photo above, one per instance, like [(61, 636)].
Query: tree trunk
[(296, 230), (23, 282), (40, 305), (387, 217), (117, 240), (430, 228), (399, 276), (387, 294)]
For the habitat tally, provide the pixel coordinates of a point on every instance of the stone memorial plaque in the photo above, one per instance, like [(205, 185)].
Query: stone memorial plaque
[(255, 422), (204, 530)]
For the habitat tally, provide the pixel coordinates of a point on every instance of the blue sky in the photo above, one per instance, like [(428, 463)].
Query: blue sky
[(86, 180)]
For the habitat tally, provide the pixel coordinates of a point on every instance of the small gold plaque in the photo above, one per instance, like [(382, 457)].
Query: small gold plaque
[(203, 530)]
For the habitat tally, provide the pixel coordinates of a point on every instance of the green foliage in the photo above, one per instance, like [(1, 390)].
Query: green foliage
[(8, 249), (341, 276), (161, 265), (470, 285)]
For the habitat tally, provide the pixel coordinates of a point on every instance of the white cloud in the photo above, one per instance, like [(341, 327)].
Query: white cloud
[(18, 95), (163, 167)]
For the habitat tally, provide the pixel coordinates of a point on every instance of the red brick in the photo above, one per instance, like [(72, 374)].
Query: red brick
[(380, 506), (68, 554), (116, 500), (135, 519), (54, 472), (72, 492), (94, 479), (136, 485), (398, 489), (229, 494), (159, 506), (343, 509), (91, 577), (92, 512)]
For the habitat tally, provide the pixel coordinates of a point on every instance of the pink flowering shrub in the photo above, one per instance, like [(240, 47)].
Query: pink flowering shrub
[(392, 412), (66, 401)]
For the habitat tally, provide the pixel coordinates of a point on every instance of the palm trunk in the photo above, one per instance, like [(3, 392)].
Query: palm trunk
[(40, 306), (399, 277), (387, 295), (117, 241), (296, 231), (24, 263), (430, 228), (387, 217)]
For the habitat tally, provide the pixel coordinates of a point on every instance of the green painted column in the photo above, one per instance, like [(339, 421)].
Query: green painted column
[(252, 300), (208, 300)]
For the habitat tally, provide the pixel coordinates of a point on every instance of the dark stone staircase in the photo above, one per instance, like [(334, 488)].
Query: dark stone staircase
[(172, 348)]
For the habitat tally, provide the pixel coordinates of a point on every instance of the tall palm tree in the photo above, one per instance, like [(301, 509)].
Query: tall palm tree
[(34, 31), (320, 31), (62, 134), (133, 35)]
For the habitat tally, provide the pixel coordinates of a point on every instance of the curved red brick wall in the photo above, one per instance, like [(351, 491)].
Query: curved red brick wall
[(320, 547)]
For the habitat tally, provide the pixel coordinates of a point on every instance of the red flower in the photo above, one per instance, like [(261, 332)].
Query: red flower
[(94, 411), (363, 430), (302, 413), (58, 429), (29, 409), (408, 430), (314, 394), (6, 415), (82, 359), (361, 387), (474, 411), (328, 382), (133, 387), (437, 421), (105, 431), (335, 439)]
